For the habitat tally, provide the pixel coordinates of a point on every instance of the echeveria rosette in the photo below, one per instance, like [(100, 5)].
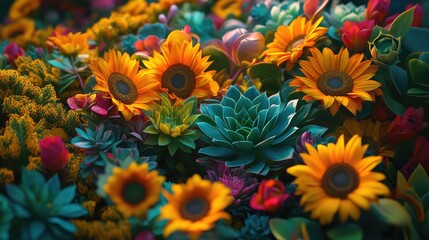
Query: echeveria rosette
[(41, 208), (171, 124), (96, 140), (255, 227), (6, 216), (252, 130), (385, 49)]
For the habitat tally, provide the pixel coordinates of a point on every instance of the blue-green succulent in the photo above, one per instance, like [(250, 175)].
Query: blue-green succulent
[(6, 216), (96, 140), (253, 130), (255, 227), (41, 208)]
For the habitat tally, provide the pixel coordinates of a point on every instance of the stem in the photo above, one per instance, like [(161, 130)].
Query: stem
[(236, 74), (77, 74)]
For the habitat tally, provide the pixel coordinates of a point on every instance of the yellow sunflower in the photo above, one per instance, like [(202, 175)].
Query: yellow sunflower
[(194, 207), (71, 44), (336, 178), (373, 133), (134, 189), (19, 32), (181, 70), (337, 80), (224, 8), (289, 41), (130, 89), (21, 8)]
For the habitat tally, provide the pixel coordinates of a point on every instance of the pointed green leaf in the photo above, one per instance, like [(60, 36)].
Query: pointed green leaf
[(384, 211), (345, 232), (419, 71), (402, 23), (419, 180), (163, 139)]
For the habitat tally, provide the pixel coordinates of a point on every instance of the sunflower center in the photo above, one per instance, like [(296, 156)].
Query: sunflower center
[(195, 209), (295, 42), (180, 80), (122, 88), (134, 193), (340, 180), (335, 83)]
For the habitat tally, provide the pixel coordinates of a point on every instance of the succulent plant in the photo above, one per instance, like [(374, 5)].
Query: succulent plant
[(255, 227), (41, 208), (6, 216), (252, 130)]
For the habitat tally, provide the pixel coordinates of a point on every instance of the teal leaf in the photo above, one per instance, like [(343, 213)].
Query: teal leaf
[(399, 79), (15, 193), (163, 140), (36, 229), (54, 185), (217, 151), (244, 159), (383, 210), (210, 131), (65, 196), (66, 225), (243, 145), (402, 23), (418, 92), (278, 153), (392, 103), (419, 71), (172, 148), (419, 180), (345, 232), (71, 211), (416, 40)]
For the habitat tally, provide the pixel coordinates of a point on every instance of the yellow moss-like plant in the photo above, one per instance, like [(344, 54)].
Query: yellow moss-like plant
[(39, 73), (6, 176), (102, 230)]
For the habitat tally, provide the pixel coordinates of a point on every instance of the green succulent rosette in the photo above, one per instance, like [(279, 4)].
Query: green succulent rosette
[(171, 125), (6, 216), (418, 69), (385, 49), (252, 130)]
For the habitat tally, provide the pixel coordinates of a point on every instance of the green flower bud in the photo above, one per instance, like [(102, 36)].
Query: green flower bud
[(385, 48)]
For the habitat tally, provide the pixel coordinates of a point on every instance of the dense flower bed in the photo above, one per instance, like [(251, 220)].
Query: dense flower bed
[(207, 119)]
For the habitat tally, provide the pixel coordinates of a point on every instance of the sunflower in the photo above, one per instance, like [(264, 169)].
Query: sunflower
[(19, 32), (289, 41), (373, 133), (336, 178), (130, 89), (194, 207), (134, 189), (21, 8), (181, 69), (224, 8), (337, 80), (71, 44)]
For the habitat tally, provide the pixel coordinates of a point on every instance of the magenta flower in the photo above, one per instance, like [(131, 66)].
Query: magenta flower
[(241, 184), (81, 101), (355, 35), (407, 126), (242, 46), (270, 196), (420, 156), (53, 153), (377, 10), (13, 51)]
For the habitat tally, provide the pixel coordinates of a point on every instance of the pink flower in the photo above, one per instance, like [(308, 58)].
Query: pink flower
[(420, 156), (53, 153), (310, 7), (407, 126), (13, 51), (102, 105), (242, 46), (102, 4), (81, 101), (148, 45), (145, 235), (355, 35), (377, 10), (270, 196)]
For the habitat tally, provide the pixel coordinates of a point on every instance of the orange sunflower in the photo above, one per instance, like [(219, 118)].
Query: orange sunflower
[(338, 179), (289, 41), (182, 70), (119, 77), (19, 32), (337, 80)]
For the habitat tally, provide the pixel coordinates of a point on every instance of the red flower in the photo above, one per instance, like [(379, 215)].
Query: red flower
[(270, 196), (148, 45), (407, 126), (54, 153), (420, 156), (355, 35), (377, 10), (13, 51)]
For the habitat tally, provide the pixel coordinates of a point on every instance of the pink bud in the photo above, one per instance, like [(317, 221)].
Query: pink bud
[(13, 51), (247, 47), (230, 37), (270, 196), (53, 153), (310, 7), (355, 35), (377, 10)]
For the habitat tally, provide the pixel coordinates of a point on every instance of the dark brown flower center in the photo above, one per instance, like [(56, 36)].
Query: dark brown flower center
[(340, 180), (195, 209), (122, 88), (134, 193), (180, 80), (335, 83)]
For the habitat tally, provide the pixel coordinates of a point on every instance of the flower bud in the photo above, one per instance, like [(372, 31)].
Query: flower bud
[(13, 51), (385, 48), (420, 156), (355, 35), (247, 47), (377, 10), (53, 153), (270, 196), (407, 126)]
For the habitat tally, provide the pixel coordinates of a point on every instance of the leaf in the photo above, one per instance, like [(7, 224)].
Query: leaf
[(416, 40), (71, 211), (419, 180), (292, 228), (269, 74), (217, 151), (399, 78), (36, 229), (346, 232), (65, 196), (419, 72), (163, 140), (402, 23), (391, 212), (66, 225), (392, 103)]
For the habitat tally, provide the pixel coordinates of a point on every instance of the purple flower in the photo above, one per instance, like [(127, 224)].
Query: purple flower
[(242, 185)]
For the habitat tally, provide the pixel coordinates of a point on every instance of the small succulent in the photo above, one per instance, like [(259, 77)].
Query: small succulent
[(96, 140), (41, 208), (6, 216), (281, 14), (255, 227), (171, 124), (252, 130), (349, 12)]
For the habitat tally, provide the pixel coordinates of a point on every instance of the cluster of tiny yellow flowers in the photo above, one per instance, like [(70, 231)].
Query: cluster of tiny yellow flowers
[(6, 176), (102, 230)]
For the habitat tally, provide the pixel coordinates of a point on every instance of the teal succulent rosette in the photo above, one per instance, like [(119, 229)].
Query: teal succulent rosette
[(252, 130)]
